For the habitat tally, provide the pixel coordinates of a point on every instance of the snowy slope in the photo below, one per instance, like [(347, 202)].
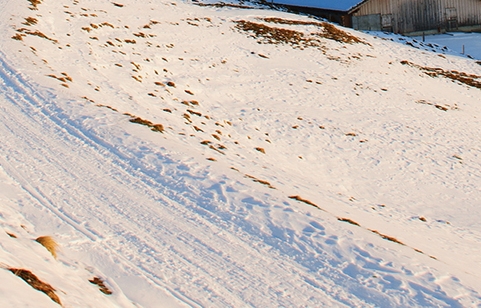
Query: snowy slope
[(294, 165)]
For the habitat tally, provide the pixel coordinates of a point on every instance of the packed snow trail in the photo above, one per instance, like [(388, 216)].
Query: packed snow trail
[(81, 183), (169, 229), (148, 220)]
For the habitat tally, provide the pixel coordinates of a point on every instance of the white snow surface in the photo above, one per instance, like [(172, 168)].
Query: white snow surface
[(384, 158)]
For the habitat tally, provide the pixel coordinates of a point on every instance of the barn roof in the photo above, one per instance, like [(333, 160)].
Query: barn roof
[(334, 5)]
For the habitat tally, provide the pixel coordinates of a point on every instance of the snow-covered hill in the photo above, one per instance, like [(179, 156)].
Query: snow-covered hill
[(194, 154)]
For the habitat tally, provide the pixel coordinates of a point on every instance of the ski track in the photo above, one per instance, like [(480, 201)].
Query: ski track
[(145, 211), (172, 230), (141, 217)]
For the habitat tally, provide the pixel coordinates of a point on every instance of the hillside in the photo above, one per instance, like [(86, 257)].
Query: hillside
[(193, 154)]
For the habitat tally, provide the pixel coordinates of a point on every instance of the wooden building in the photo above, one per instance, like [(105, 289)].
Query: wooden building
[(410, 17)]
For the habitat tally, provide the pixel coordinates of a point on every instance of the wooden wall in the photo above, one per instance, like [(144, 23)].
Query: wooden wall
[(423, 15)]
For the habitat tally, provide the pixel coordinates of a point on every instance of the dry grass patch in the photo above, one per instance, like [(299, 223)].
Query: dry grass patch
[(11, 235), (387, 237), (49, 243), (30, 21), (260, 150), (271, 35), (36, 283), (153, 127), (100, 283), (263, 182), (464, 78), (18, 37), (328, 30), (222, 4), (348, 220), (34, 4), (36, 33), (300, 199)]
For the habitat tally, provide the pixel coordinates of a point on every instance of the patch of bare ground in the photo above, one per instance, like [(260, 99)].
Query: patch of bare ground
[(272, 35), (261, 150), (30, 21), (222, 4), (18, 37), (263, 182), (11, 235), (348, 220), (440, 107), (387, 237), (34, 4), (100, 283), (327, 30), (154, 127), (36, 33), (300, 199), (36, 283), (464, 78)]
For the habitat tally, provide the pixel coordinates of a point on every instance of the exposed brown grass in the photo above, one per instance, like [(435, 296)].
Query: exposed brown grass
[(34, 4), (272, 35), (100, 283), (440, 107), (49, 243), (348, 220), (300, 199), (36, 283), (154, 127), (18, 37), (328, 30), (36, 33), (194, 112), (11, 235), (222, 4), (29, 21), (260, 181), (464, 78), (387, 237), (260, 150)]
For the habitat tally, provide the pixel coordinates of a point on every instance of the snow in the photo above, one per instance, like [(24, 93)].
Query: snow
[(385, 157), (469, 43)]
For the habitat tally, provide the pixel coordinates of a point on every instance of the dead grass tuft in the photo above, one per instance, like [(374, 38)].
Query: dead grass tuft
[(300, 199), (387, 237), (348, 220), (328, 30), (222, 4), (464, 78), (36, 33), (100, 283), (271, 35), (34, 4), (18, 37), (49, 243), (154, 127), (11, 235), (30, 21), (260, 181), (36, 283), (261, 150)]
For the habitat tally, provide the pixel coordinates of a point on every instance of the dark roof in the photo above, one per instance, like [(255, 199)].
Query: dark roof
[(333, 5)]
